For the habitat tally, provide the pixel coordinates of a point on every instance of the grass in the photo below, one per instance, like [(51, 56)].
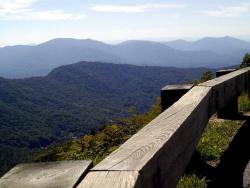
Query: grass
[(212, 145), (192, 181), (214, 142), (216, 138), (244, 103)]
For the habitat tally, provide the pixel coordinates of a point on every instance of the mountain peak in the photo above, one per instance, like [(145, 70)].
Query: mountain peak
[(225, 38), (127, 42), (143, 43), (38, 60)]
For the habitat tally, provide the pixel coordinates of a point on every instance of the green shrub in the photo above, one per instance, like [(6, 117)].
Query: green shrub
[(216, 139), (245, 61), (192, 181), (244, 103)]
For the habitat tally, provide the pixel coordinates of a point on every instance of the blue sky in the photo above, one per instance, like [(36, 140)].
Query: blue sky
[(35, 21)]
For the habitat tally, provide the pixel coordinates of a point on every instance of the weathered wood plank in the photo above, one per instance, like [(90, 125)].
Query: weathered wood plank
[(160, 152), (246, 177), (226, 88), (223, 72), (167, 141), (111, 179), (133, 154), (178, 87), (65, 174)]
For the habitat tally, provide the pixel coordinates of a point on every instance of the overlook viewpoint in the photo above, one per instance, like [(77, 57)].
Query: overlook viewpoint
[(124, 94)]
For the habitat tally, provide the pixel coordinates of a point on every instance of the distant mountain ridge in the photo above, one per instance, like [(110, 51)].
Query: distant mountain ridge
[(224, 45), (26, 61)]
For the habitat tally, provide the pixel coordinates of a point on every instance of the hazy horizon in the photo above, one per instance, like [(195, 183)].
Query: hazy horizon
[(120, 41), (37, 21)]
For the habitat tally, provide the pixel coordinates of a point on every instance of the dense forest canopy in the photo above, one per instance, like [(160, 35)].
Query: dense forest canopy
[(73, 100)]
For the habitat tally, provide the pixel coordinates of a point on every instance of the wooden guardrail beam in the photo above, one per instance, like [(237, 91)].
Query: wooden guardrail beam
[(224, 72), (158, 154), (63, 174)]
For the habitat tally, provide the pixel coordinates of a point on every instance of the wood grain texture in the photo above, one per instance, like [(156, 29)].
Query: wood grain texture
[(65, 174), (168, 140), (111, 179), (161, 151)]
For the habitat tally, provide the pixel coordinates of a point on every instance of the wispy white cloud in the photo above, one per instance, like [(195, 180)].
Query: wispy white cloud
[(230, 11), (133, 8), (47, 15), (22, 10), (15, 6)]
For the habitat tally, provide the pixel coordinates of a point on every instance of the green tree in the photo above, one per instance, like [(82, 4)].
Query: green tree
[(208, 75), (246, 61)]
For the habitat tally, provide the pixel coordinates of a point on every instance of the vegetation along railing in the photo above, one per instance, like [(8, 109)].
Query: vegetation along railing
[(158, 154)]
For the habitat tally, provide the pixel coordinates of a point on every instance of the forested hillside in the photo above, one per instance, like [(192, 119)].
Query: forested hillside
[(205, 168), (72, 100), (97, 146)]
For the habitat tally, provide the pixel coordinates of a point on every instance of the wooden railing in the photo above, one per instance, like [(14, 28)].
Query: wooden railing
[(158, 154)]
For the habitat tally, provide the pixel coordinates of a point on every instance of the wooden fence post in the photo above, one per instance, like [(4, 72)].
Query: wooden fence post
[(223, 72), (231, 109), (172, 93)]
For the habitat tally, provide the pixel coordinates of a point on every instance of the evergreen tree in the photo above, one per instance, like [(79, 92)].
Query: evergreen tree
[(246, 61)]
